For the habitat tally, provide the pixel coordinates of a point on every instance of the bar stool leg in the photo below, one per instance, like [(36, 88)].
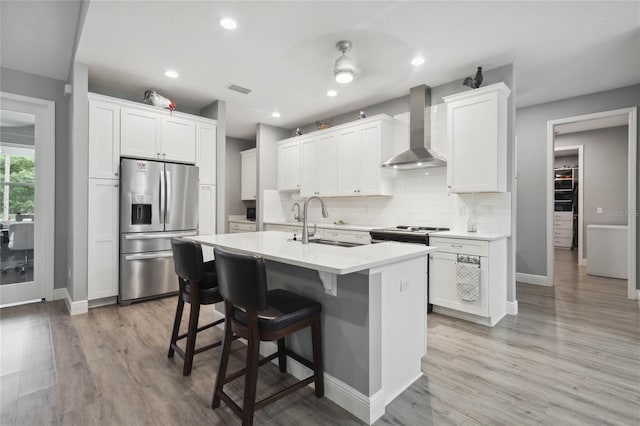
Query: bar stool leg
[(251, 378), (191, 337), (318, 368), (176, 326), (282, 355), (224, 360)]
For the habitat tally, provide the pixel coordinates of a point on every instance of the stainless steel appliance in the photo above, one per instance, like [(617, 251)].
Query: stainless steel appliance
[(407, 234), (251, 213), (158, 201)]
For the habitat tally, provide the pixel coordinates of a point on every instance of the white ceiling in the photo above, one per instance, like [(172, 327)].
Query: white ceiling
[(284, 51)]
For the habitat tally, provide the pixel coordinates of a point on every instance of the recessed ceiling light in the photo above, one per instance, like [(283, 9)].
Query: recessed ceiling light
[(171, 74), (228, 24), (418, 60), (275, 114), (332, 93)]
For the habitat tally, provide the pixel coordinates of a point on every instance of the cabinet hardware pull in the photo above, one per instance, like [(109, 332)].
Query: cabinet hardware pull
[(456, 245), (116, 173), (116, 185)]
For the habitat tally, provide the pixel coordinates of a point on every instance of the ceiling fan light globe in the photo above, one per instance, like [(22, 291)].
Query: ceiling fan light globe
[(344, 77)]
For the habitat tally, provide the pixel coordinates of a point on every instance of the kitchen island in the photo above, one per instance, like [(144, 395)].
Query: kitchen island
[(373, 311)]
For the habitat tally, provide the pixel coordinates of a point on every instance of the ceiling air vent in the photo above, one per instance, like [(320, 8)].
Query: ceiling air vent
[(239, 89)]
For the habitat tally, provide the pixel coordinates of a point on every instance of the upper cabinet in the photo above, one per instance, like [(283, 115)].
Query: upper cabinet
[(289, 158), (318, 175), (178, 140), (248, 180), (104, 139), (206, 152), (341, 161), (140, 134), (477, 137)]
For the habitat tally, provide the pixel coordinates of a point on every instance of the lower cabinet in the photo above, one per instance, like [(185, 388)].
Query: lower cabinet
[(237, 227), (347, 236), (468, 278), (207, 216), (102, 255)]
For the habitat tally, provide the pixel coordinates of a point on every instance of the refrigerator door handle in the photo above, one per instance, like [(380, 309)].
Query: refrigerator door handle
[(168, 196), (162, 197), (159, 235), (146, 256)]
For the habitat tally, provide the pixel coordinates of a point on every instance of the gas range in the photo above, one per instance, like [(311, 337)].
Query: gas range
[(404, 234)]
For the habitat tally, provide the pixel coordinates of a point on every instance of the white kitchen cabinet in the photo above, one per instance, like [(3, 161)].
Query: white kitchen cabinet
[(319, 174), (157, 136), (178, 140), (140, 133), (238, 227), (248, 181), (288, 165), (206, 152), (207, 216), (104, 139), (102, 250), (477, 139), (490, 304), (360, 154)]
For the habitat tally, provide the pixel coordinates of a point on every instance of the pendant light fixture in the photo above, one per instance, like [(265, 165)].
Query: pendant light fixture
[(345, 68)]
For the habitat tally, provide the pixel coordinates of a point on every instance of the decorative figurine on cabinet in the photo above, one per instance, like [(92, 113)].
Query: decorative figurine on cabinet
[(298, 132), (156, 99), (362, 115), (474, 82)]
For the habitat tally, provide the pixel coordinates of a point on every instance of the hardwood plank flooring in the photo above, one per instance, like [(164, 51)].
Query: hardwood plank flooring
[(571, 356)]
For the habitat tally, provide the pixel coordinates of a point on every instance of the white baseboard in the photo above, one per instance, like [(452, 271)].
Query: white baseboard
[(512, 307), (105, 301), (532, 279), (367, 409), (638, 296), (583, 263), (74, 308)]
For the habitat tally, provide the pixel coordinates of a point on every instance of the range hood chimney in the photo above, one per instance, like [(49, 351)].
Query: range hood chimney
[(419, 155)]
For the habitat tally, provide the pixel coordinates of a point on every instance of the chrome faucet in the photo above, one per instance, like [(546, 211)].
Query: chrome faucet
[(305, 227), (296, 213)]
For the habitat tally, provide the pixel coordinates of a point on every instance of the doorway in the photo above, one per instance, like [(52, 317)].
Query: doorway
[(27, 173), (624, 120)]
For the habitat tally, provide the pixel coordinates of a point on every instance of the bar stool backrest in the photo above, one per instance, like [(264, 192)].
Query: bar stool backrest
[(188, 261), (242, 279)]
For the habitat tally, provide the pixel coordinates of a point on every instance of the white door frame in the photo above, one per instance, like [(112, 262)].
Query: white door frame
[(44, 140), (580, 148), (632, 206)]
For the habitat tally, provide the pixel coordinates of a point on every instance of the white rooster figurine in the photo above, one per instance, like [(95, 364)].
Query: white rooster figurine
[(156, 99)]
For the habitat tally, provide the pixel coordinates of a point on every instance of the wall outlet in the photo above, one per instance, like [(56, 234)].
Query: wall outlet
[(404, 285), (599, 210)]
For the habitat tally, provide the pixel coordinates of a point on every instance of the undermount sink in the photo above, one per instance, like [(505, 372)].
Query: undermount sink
[(332, 243)]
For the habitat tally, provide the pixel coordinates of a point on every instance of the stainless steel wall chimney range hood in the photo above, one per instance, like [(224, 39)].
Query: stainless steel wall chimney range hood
[(419, 155)]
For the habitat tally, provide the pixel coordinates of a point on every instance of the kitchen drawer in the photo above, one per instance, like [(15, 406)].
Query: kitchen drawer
[(562, 216), (562, 242), (563, 224), (272, 227), (295, 229), (563, 233), (347, 236), (241, 227), (458, 245)]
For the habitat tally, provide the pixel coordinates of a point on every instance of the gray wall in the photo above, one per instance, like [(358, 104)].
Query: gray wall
[(532, 146), (18, 135), (36, 86), (233, 174), (267, 159), (400, 105), (606, 152)]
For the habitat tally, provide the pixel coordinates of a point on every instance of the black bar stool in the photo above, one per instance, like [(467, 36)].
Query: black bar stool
[(258, 315), (198, 286)]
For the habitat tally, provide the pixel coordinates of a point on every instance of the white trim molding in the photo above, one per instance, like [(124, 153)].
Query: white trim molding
[(533, 279), (512, 307), (74, 308), (366, 408)]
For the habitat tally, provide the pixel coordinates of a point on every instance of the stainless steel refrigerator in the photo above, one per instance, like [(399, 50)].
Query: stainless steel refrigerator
[(158, 201)]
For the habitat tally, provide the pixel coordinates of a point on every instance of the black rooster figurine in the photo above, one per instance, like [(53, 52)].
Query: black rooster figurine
[(475, 82)]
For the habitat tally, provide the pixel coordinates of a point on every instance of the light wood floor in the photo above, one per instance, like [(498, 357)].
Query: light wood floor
[(571, 356)]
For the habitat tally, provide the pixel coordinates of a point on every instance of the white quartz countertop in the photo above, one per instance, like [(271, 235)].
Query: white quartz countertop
[(240, 219), (346, 227), (277, 246), (470, 235)]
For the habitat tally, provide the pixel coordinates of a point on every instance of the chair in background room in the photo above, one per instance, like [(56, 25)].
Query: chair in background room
[(21, 238), (198, 286), (258, 315)]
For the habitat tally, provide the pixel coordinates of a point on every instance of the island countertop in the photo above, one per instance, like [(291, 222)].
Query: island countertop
[(278, 246)]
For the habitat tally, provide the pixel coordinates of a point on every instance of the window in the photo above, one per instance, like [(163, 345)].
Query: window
[(17, 189)]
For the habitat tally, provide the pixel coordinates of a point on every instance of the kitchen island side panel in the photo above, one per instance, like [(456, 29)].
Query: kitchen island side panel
[(345, 323)]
